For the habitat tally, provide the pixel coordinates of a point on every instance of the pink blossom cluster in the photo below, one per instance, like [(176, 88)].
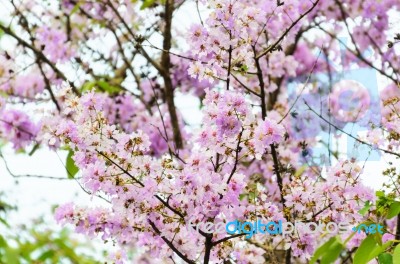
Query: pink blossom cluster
[(54, 44), (228, 116), (390, 98), (145, 190), (17, 127)]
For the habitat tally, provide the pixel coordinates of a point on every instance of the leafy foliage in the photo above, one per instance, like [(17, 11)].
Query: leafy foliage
[(35, 243)]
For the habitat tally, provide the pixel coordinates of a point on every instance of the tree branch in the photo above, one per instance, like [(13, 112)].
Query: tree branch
[(166, 65), (273, 46), (170, 244), (350, 135), (227, 238), (39, 55), (236, 156)]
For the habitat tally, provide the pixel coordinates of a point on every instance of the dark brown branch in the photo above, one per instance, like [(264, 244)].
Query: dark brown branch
[(397, 236), (198, 12), (229, 66), (48, 86), (273, 150), (170, 244), (134, 37), (208, 246), (244, 86), (172, 53), (261, 81), (163, 69), (166, 65), (122, 169), (227, 238), (277, 172), (19, 129), (166, 204), (278, 81), (39, 55), (322, 210), (358, 52), (236, 156), (264, 115)]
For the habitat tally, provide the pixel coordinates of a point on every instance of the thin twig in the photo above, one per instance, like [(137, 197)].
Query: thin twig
[(170, 244), (302, 90), (350, 135), (273, 46)]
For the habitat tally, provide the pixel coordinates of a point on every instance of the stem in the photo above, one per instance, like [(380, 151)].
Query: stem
[(288, 256), (166, 65), (227, 238), (278, 173), (165, 203), (229, 68), (209, 245), (261, 81), (39, 55), (170, 244), (273, 149), (273, 46), (397, 237), (348, 134), (236, 157)]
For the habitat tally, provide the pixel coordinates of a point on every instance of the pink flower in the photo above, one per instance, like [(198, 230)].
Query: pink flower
[(64, 211), (53, 42), (266, 133), (17, 127), (29, 85), (387, 237)]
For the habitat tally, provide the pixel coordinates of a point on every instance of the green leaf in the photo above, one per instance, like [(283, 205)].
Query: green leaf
[(3, 242), (11, 256), (72, 170), (380, 193), (333, 253), (378, 238), (328, 252), (396, 254), (394, 210), (147, 4), (107, 87), (244, 68), (369, 249), (366, 207), (47, 255), (102, 86), (362, 254), (252, 195), (300, 171), (385, 258), (322, 250), (88, 86), (20, 151), (379, 249), (242, 196), (76, 8)]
